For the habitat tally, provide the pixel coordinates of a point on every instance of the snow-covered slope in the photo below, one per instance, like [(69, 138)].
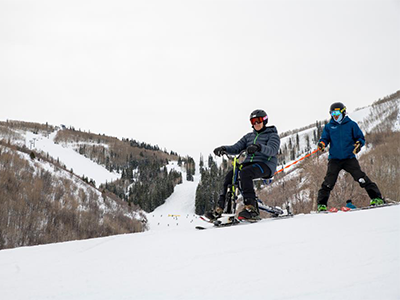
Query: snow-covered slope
[(353, 255), (64, 153), (178, 210), (62, 192), (81, 165)]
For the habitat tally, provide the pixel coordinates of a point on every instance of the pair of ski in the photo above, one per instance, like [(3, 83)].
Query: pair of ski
[(335, 210), (227, 220), (346, 209)]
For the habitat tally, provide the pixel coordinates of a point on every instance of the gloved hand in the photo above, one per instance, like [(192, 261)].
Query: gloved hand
[(357, 147), (219, 150), (253, 148), (321, 146)]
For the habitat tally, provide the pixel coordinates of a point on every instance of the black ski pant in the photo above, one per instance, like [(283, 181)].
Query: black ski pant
[(353, 167), (248, 172)]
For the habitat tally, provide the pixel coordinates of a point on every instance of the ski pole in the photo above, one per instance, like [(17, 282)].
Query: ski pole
[(295, 162)]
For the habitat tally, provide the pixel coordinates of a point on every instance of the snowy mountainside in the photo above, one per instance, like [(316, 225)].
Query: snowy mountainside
[(43, 203), (47, 172), (106, 204), (351, 255), (64, 149), (44, 142)]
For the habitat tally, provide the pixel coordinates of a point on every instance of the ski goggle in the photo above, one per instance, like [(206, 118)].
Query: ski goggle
[(336, 113), (256, 120)]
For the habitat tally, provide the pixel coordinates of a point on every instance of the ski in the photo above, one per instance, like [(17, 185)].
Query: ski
[(374, 206), (227, 220), (242, 222), (334, 210), (347, 209), (217, 224), (331, 210)]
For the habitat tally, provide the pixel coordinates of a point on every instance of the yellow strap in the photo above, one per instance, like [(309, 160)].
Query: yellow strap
[(341, 110)]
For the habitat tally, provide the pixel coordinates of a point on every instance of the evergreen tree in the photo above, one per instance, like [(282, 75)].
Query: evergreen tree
[(209, 189)]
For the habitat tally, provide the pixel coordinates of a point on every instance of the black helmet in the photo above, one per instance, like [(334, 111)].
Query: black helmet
[(259, 113), (338, 106)]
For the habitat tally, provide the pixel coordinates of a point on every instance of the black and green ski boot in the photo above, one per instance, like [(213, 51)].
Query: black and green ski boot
[(377, 201)]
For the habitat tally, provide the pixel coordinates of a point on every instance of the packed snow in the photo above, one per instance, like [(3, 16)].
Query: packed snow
[(352, 255)]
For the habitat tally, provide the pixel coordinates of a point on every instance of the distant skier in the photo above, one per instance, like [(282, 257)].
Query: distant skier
[(262, 146), (345, 139)]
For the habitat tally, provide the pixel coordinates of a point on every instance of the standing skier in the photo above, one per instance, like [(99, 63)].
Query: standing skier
[(262, 146), (345, 139)]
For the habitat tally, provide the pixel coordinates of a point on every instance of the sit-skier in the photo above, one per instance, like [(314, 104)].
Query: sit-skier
[(262, 146), (345, 139)]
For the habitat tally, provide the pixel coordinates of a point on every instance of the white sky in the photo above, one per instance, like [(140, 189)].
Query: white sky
[(186, 74)]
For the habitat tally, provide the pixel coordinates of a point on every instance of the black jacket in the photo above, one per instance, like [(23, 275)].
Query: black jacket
[(269, 141)]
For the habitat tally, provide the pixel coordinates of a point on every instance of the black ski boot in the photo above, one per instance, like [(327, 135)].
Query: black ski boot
[(250, 211), (214, 214)]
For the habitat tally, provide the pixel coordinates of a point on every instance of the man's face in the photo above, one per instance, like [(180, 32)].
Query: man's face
[(258, 126), (336, 115)]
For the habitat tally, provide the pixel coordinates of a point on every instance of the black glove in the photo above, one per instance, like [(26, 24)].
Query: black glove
[(357, 147), (219, 150), (253, 148), (321, 146)]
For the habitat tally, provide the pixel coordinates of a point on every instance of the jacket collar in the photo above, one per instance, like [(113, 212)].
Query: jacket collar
[(269, 129)]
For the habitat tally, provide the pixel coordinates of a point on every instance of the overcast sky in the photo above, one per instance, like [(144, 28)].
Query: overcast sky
[(186, 74)]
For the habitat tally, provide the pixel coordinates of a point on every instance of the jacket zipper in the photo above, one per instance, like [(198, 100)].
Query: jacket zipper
[(254, 142)]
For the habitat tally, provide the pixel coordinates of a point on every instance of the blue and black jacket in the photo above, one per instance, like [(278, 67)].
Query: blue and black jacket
[(342, 137), (269, 141)]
